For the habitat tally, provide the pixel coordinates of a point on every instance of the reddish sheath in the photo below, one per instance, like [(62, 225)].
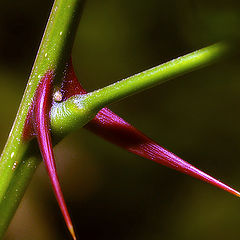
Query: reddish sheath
[(41, 111)]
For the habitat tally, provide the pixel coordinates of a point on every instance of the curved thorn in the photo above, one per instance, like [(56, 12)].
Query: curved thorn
[(41, 124)]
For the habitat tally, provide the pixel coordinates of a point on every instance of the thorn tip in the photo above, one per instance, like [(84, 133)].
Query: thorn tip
[(71, 230)]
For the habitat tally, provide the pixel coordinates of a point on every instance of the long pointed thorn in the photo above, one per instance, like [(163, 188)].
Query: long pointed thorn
[(114, 129), (205, 177), (178, 164), (61, 201), (71, 230), (41, 125)]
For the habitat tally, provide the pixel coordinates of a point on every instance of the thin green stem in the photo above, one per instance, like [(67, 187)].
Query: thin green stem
[(159, 74), (54, 50), (78, 110)]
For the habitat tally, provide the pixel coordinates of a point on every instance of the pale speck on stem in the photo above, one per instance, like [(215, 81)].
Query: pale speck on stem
[(14, 165), (57, 96)]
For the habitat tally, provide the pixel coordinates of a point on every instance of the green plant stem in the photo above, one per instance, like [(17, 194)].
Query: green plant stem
[(16, 190), (55, 48), (78, 110), (159, 74), (54, 51)]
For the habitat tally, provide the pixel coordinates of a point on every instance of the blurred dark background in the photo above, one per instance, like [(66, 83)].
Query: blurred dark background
[(112, 194)]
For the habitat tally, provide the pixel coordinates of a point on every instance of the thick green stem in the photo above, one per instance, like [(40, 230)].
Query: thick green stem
[(16, 190), (78, 110), (54, 50)]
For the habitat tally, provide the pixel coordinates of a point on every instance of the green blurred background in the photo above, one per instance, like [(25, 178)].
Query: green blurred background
[(111, 193)]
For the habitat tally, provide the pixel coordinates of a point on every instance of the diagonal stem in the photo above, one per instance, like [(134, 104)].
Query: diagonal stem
[(80, 109), (159, 74), (55, 48)]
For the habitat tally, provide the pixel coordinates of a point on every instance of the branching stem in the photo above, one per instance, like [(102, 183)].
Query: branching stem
[(80, 109)]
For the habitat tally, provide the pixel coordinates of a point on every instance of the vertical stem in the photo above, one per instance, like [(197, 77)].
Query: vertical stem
[(54, 50)]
